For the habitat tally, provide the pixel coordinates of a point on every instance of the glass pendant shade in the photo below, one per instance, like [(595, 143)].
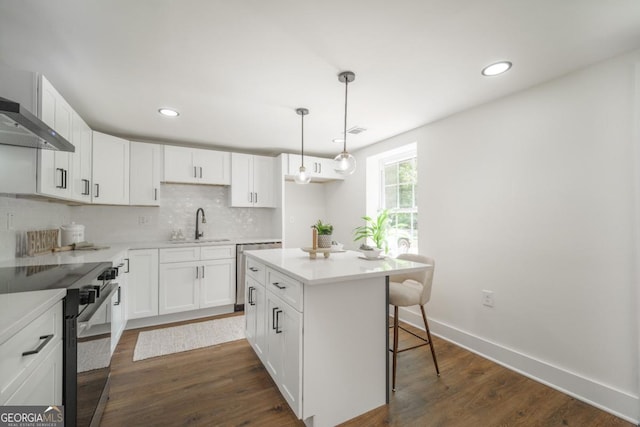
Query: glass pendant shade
[(344, 163), (302, 177)]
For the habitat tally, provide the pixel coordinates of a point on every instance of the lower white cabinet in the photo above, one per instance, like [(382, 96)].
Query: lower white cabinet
[(255, 317), (142, 283), (274, 327), (196, 277), (31, 368)]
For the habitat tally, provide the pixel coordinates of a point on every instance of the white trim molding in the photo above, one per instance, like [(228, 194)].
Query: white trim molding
[(602, 396)]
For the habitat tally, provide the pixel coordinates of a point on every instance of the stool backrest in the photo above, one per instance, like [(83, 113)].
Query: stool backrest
[(424, 277)]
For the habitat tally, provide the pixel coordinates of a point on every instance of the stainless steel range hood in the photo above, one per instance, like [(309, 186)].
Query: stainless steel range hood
[(21, 128)]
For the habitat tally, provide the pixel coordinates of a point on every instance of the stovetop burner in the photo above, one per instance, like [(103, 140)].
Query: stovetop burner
[(50, 276)]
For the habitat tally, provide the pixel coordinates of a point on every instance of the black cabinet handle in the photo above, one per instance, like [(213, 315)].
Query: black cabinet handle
[(278, 330), (256, 198), (119, 297), (85, 192), (46, 339), (251, 301), (66, 172), (273, 317), (127, 259), (277, 285), (97, 191), (155, 194), (203, 271), (253, 269), (195, 172), (61, 178), (200, 171), (197, 272)]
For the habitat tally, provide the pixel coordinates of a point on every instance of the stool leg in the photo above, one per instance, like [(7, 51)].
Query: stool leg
[(395, 345), (426, 327)]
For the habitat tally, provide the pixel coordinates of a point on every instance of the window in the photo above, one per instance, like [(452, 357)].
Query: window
[(392, 178), (398, 195)]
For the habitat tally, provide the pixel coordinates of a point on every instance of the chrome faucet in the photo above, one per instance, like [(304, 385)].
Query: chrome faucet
[(204, 221)]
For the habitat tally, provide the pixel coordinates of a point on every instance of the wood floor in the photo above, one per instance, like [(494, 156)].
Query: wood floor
[(226, 385)]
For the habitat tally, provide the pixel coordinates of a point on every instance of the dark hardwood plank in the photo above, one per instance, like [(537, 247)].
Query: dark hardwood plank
[(226, 385)]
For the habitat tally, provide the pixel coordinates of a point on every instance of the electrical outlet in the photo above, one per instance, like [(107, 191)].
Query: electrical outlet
[(10, 225), (487, 298), (144, 219)]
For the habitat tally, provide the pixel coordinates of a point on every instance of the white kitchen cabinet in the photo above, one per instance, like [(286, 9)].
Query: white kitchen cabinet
[(81, 170), (110, 170), (320, 169), (179, 286), (54, 167), (253, 181), (196, 277), (141, 293), (144, 177), (118, 301), (35, 378), (255, 317), (196, 166)]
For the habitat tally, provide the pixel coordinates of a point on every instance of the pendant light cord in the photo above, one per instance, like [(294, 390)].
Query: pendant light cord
[(302, 150), (346, 86)]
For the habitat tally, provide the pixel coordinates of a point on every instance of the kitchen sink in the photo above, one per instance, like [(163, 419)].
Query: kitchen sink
[(190, 241)]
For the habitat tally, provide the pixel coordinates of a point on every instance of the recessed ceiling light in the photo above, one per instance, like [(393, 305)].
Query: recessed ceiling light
[(338, 140), (497, 68), (168, 112)]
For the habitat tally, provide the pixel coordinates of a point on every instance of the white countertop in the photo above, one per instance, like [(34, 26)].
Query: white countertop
[(116, 250), (18, 310), (340, 266)]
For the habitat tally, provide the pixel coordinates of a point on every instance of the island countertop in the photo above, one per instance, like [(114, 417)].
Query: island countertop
[(340, 266)]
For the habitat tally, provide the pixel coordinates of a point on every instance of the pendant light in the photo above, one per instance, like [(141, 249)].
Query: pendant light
[(344, 163), (302, 177)]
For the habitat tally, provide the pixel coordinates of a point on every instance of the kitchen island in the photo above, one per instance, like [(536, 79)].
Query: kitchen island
[(320, 327)]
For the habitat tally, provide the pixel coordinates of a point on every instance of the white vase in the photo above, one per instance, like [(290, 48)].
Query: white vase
[(324, 240)]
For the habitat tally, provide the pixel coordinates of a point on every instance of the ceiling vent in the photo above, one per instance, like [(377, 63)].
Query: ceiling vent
[(356, 130)]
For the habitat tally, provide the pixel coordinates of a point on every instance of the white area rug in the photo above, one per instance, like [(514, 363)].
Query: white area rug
[(160, 342), (94, 354)]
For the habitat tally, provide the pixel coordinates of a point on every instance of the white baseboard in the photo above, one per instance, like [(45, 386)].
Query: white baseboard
[(616, 402), (178, 317)]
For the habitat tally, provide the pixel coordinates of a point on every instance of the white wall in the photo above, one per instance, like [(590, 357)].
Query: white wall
[(17, 216), (304, 206), (533, 197)]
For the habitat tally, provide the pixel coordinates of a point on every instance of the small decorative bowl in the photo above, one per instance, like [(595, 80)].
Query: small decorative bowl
[(371, 253)]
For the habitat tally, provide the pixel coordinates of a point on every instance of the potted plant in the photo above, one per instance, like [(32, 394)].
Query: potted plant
[(376, 231), (324, 233)]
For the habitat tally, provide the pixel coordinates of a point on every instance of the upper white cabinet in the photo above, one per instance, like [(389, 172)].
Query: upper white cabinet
[(110, 170), (253, 181), (144, 178), (196, 166), (81, 171), (54, 167), (320, 169)]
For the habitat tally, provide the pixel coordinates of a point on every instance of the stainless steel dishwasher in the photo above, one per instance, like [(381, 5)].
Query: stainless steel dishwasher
[(240, 266)]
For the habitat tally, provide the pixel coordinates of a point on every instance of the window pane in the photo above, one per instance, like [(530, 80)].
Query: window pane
[(391, 174), (406, 196), (391, 197), (407, 171)]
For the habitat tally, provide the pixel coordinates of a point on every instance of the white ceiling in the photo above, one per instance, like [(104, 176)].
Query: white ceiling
[(237, 70)]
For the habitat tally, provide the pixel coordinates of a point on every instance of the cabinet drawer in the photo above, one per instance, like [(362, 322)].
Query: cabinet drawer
[(191, 253), (290, 290), (15, 367), (256, 270), (217, 252)]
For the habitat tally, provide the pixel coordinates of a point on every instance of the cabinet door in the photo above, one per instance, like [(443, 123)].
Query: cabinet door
[(178, 165), (213, 167), (144, 179), (179, 287), (273, 340), (250, 310), (54, 166), (44, 385), (81, 138), (117, 317), (141, 294), (110, 170), (241, 180), (260, 301), (264, 181), (217, 282)]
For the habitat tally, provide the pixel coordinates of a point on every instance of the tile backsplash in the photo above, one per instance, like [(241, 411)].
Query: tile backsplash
[(111, 224)]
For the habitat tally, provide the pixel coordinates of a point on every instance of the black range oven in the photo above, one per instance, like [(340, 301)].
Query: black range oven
[(86, 333)]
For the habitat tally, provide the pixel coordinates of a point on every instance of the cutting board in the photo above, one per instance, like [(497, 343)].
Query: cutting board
[(41, 241)]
